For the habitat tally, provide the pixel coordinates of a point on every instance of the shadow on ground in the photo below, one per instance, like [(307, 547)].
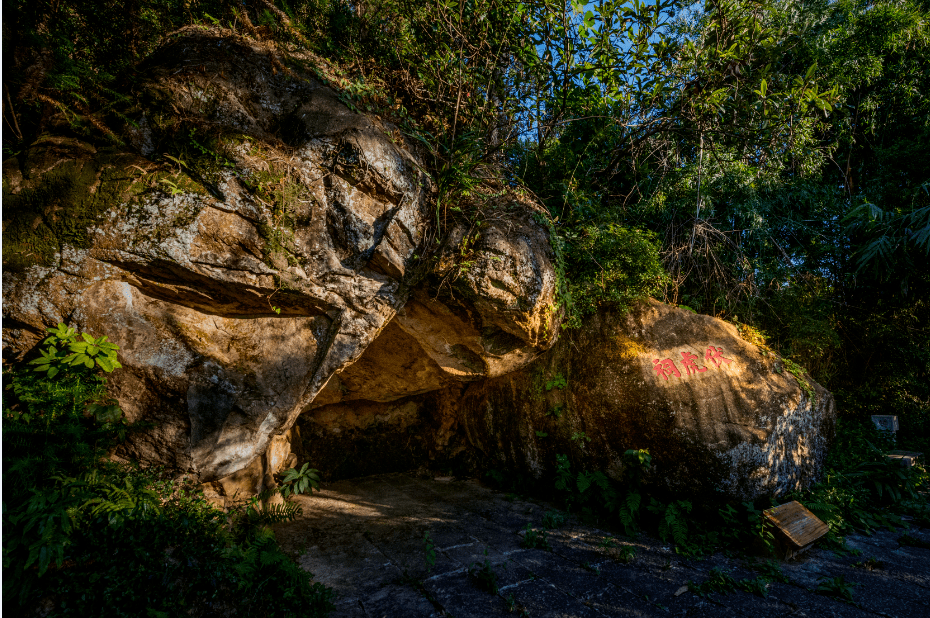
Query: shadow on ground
[(365, 538)]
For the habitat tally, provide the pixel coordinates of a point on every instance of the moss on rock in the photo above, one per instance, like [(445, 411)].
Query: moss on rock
[(59, 190)]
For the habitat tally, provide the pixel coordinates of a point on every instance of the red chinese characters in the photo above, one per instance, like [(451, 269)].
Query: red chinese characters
[(666, 368), (687, 359), (715, 355)]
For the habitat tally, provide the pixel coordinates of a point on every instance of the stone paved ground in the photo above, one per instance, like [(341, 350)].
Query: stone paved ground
[(365, 538)]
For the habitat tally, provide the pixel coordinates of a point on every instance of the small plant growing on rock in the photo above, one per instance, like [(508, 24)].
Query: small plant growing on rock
[(484, 575), (718, 581), (625, 553), (533, 539), (429, 551), (173, 188), (295, 481), (553, 520), (838, 588), (724, 583), (580, 436), (770, 570), (558, 382), (514, 607), (870, 564)]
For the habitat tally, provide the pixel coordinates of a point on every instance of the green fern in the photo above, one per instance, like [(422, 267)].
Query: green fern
[(585, 480), (667, 518), (672, 523), (70, 514), (252, 518), (120, 503), (563, 473), (629, 511)]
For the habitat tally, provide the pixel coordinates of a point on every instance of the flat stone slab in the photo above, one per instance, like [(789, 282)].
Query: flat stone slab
[(396, 545)]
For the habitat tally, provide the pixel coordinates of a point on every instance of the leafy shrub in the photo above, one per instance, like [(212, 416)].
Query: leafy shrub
[(861, 490), (90, 352), (609, 264), (58, 419), (299, 481)]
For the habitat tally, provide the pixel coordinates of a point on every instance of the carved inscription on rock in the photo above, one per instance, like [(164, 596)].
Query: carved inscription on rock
[(713, 358)]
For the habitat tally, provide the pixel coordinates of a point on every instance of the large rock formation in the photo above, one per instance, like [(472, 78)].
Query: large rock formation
[(232, 303), (253, 242), (264, 253), (718, 414)]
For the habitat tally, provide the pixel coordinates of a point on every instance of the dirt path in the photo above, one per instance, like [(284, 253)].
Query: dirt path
[(365, 538)]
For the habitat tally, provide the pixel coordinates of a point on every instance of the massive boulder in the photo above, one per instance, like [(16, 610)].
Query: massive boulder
[(717, 413), (254, 239), (237, 275)]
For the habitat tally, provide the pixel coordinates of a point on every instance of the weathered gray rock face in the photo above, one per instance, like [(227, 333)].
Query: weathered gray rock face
[(717, 414), (237, 283)]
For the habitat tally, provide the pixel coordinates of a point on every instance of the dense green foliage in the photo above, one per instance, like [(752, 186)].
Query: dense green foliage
[(83, 536)]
